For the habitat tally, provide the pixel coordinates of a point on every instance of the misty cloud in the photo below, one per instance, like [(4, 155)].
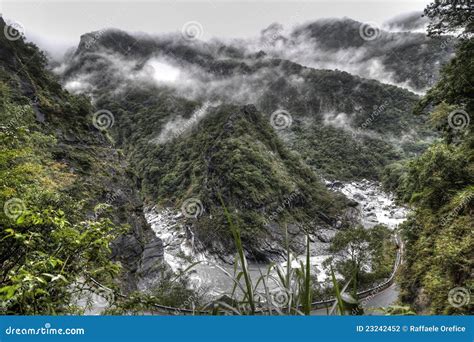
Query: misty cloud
[(336, 44), (338, 120), (407, 22), (179, 125), (162, 72), (237, 71)]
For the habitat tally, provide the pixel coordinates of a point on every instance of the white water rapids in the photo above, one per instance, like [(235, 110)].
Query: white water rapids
[(375, 207)]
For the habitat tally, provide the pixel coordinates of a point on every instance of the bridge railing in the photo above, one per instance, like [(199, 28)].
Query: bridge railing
[(375, 289)]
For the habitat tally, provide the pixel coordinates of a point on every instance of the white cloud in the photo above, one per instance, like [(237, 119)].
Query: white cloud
[(161, 71)]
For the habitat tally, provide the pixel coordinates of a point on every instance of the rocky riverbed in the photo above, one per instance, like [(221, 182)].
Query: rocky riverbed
[(373, 207)]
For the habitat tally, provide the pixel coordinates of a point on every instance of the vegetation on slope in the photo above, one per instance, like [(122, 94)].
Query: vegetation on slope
[(363, 255), (410, 57), (344, 126), (44, 246), (340, 123), (55, 168), (437, 273), (232, 151)]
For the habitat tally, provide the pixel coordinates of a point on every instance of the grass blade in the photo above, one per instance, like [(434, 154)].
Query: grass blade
[(243, 260)]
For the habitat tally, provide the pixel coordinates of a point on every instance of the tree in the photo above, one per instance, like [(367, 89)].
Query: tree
[(450, 16), (365, 255), (351, 251)]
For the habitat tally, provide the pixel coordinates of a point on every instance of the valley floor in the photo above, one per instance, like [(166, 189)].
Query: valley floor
[(375, 207)]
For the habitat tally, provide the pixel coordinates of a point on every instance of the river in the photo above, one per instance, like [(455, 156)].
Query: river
[(375, 207)]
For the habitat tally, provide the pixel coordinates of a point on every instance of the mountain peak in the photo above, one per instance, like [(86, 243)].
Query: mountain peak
[(108, 38)]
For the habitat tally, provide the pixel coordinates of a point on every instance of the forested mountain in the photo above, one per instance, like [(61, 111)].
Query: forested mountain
[(402, 57), (171, 101), (266, 131), (364, 121), (56, 167)]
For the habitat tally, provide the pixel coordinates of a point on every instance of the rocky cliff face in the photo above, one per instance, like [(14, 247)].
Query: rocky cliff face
[(99, 169)]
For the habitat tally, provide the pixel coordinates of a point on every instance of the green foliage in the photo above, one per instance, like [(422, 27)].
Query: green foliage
[(438, 237), (233, 151), (344, 127), (337, 155), (450, 17), (339, 301), (393, 310), (363, 255), (439, 185), (53, 167), (454, 87), (432, 180), (287, 292), (43, 251), (57, 167), (44, 255), (171, 291)]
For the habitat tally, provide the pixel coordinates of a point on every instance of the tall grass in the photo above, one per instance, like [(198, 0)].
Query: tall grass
[(278, 291), (249, 295), (262, 296), (339, 302)]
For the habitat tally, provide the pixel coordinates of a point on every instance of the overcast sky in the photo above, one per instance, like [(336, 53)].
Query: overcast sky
[(55, 25)]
